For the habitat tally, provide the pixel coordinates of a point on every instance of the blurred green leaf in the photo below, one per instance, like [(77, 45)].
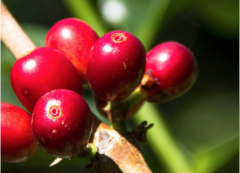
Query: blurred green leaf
[(213, 159), (161, 141), (219, 16), (7, 59), (85, 10), (36, 32), (151, 22), (209, 120)]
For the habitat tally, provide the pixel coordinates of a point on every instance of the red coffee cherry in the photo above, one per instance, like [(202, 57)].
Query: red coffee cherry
[(62, 123), (171, 70), (17, 143), (116, 65), (74, 38), (41, 71)]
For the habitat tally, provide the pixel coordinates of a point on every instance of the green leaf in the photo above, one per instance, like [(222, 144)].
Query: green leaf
[(213, 159), (151, 22), (85, 10), (219, 16)]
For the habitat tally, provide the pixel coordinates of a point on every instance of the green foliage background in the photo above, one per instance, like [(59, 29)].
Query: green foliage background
[(198, 132)]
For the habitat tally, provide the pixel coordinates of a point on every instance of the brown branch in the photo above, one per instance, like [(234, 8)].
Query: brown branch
[(115, 153), (13, 36)]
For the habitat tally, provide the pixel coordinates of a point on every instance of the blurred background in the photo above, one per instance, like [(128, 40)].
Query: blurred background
[(198, 131)]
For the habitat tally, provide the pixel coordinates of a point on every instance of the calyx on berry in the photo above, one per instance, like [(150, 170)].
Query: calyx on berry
[(62, 123), (40, 71), (171, 70), (116, 65)]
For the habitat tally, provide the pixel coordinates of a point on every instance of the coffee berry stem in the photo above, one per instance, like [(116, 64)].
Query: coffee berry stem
[(91, 151), (110, 110), (120, 126), (119, 112), (136, 97), (13, 36)]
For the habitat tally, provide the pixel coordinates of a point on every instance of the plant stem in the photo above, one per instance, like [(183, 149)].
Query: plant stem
[(119, 125), (13, 36), (84, 9), (115, 152), (135, 97), (160, 139), (91, 151)]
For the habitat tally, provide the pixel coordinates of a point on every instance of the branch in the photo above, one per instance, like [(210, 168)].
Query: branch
[(115, 153), (13, 36)]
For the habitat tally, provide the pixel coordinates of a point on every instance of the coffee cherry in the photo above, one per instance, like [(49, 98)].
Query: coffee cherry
[(62, 123), (116, 65), (121, 111), (17, 143), (171, 70), (74, 38), (40, 71)]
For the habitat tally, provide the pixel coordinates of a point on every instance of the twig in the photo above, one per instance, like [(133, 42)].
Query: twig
[(116, 153), (13, 36)]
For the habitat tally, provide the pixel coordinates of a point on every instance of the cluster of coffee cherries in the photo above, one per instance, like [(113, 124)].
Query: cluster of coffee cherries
[(49, 81)]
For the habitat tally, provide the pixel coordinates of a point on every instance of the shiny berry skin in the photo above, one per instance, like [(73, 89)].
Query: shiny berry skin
[(62, 123), (17, 143), (116, 65), (171, 70), (41, 71), (74, 38)]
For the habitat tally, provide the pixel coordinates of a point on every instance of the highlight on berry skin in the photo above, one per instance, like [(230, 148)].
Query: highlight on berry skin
[(171, 70), (40, 71), (17, 143), (116, 65), (62, 123), (74, 38)]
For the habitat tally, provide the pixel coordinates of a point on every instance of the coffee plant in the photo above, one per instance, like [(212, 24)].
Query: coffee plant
[(91, 86)]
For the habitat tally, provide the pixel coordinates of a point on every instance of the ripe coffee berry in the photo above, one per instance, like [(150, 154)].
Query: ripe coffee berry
[(17, 143), (40, 71), (116, 65), (62, 123), (171, 70), (74, 38)]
